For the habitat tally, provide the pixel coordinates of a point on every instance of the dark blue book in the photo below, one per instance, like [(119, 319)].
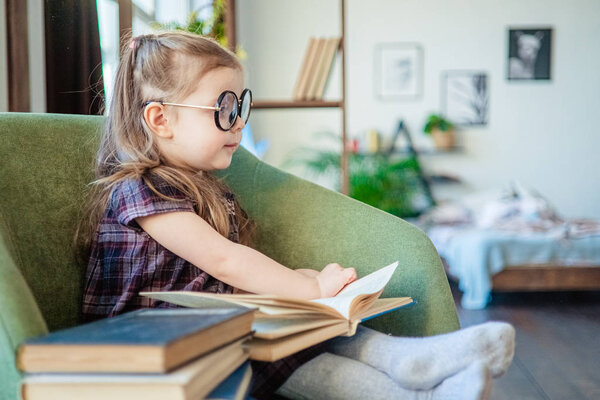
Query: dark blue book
[(142, 341), (192, 381), (236, 386)]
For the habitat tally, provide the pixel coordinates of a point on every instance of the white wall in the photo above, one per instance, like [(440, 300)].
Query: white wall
[(541, 133), (275, 35)]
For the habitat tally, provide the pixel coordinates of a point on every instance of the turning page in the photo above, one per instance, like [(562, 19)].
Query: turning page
[(370, 284)]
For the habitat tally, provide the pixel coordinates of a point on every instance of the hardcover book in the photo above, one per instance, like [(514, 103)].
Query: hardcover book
[(302, 79), (324, 70), (147, 340), (234, 387), (312, 65)]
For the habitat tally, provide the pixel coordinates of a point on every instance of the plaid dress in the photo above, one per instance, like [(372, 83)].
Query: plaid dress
[(125, 260)]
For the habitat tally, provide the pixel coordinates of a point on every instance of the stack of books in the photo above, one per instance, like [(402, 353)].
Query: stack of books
[(201, 351), (316, 68), (150, 354)]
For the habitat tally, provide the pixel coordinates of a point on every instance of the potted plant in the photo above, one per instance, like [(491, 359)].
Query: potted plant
[(377, 179), (441, 130), (213, 26)]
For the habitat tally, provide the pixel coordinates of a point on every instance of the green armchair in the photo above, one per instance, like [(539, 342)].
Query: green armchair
[(46, 161)]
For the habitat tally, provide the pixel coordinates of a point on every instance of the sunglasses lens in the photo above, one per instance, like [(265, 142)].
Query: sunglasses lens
[(246, 103), (228, 110)]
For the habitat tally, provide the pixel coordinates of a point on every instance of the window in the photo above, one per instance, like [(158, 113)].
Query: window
[(144, 13)]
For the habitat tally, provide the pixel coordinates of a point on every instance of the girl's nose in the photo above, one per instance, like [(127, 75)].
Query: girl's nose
[(239, 124)]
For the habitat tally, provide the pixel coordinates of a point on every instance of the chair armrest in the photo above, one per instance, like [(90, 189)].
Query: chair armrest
[(20, 319), (303, 225)]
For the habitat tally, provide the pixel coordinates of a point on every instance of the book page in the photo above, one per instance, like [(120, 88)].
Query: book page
[(339, 306), (212, 300), (275, 349), (275, 328), (370, 284), (382, 306)]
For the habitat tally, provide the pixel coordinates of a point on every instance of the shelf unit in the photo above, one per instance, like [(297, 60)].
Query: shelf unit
[(230, 27)]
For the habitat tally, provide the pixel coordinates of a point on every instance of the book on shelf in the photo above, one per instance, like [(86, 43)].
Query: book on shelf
[(283, 326), (147, 340), (309, 72), (194, 380), (315, 67), (302, 79), (317, 90), (236, 386)]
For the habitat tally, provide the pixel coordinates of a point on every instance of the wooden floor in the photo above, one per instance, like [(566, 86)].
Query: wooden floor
[(557, 352)]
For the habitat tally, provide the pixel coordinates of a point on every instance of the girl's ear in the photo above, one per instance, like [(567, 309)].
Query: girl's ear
[(156, 119)]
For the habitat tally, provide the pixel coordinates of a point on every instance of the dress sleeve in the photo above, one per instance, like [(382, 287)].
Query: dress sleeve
[(133, 198)]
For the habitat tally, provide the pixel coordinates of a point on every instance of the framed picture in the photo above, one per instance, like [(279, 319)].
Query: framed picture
[(465, 97), (398, 71), (529, 53)]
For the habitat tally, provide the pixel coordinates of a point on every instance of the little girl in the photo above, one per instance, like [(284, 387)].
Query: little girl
[(161, 221)]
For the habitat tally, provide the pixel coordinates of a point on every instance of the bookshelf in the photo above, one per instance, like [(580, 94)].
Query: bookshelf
[(230, 28)]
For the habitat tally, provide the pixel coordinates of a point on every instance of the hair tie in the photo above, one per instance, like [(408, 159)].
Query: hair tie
[(132, 45)]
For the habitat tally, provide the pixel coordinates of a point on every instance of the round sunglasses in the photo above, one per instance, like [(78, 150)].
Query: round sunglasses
[(227, 109)]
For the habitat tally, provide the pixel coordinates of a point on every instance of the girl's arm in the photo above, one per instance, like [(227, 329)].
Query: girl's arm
[(190, 237), (308, 272)]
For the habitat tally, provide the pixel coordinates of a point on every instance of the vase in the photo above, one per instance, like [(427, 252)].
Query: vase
[(443, 140)]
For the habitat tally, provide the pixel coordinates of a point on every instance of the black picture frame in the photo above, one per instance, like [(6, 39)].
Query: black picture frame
[(529, 53), (465, 97)]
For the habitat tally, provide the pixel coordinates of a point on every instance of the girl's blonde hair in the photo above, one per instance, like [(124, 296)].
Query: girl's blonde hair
[(160, 66)]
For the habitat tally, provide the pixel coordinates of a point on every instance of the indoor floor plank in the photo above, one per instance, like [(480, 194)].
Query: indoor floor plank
[(557, 350)]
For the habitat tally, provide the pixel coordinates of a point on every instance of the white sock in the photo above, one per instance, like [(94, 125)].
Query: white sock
[(422, 363), (332, 377), (474, 382)]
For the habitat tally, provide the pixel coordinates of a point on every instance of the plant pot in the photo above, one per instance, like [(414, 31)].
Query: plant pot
[(443, 140)]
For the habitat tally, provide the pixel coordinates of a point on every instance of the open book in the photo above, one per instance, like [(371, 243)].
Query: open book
[(284, 326)]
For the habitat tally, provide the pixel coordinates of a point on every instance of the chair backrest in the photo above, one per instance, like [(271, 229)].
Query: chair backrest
[(46, 161), (45, 164)]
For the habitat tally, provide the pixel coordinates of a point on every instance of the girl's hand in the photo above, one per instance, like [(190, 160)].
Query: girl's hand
[(333, 278)]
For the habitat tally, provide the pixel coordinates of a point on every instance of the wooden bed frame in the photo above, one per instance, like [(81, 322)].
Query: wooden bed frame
[(542, 277), (547, 277)]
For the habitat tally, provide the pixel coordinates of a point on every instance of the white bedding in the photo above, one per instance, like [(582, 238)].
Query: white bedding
[(474, 255), (479, 238)]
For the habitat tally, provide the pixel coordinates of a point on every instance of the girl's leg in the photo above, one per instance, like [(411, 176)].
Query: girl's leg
[(422, 363), (329, 376)]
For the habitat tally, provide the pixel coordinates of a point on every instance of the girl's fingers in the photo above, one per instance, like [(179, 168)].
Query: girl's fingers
[(351, 274), (336, 266)]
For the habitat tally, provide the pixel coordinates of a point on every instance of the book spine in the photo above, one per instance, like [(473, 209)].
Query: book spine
[(314, 69), (303, 73), (333, 46)]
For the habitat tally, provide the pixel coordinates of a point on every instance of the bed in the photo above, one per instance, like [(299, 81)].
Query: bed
[(513, 241)]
